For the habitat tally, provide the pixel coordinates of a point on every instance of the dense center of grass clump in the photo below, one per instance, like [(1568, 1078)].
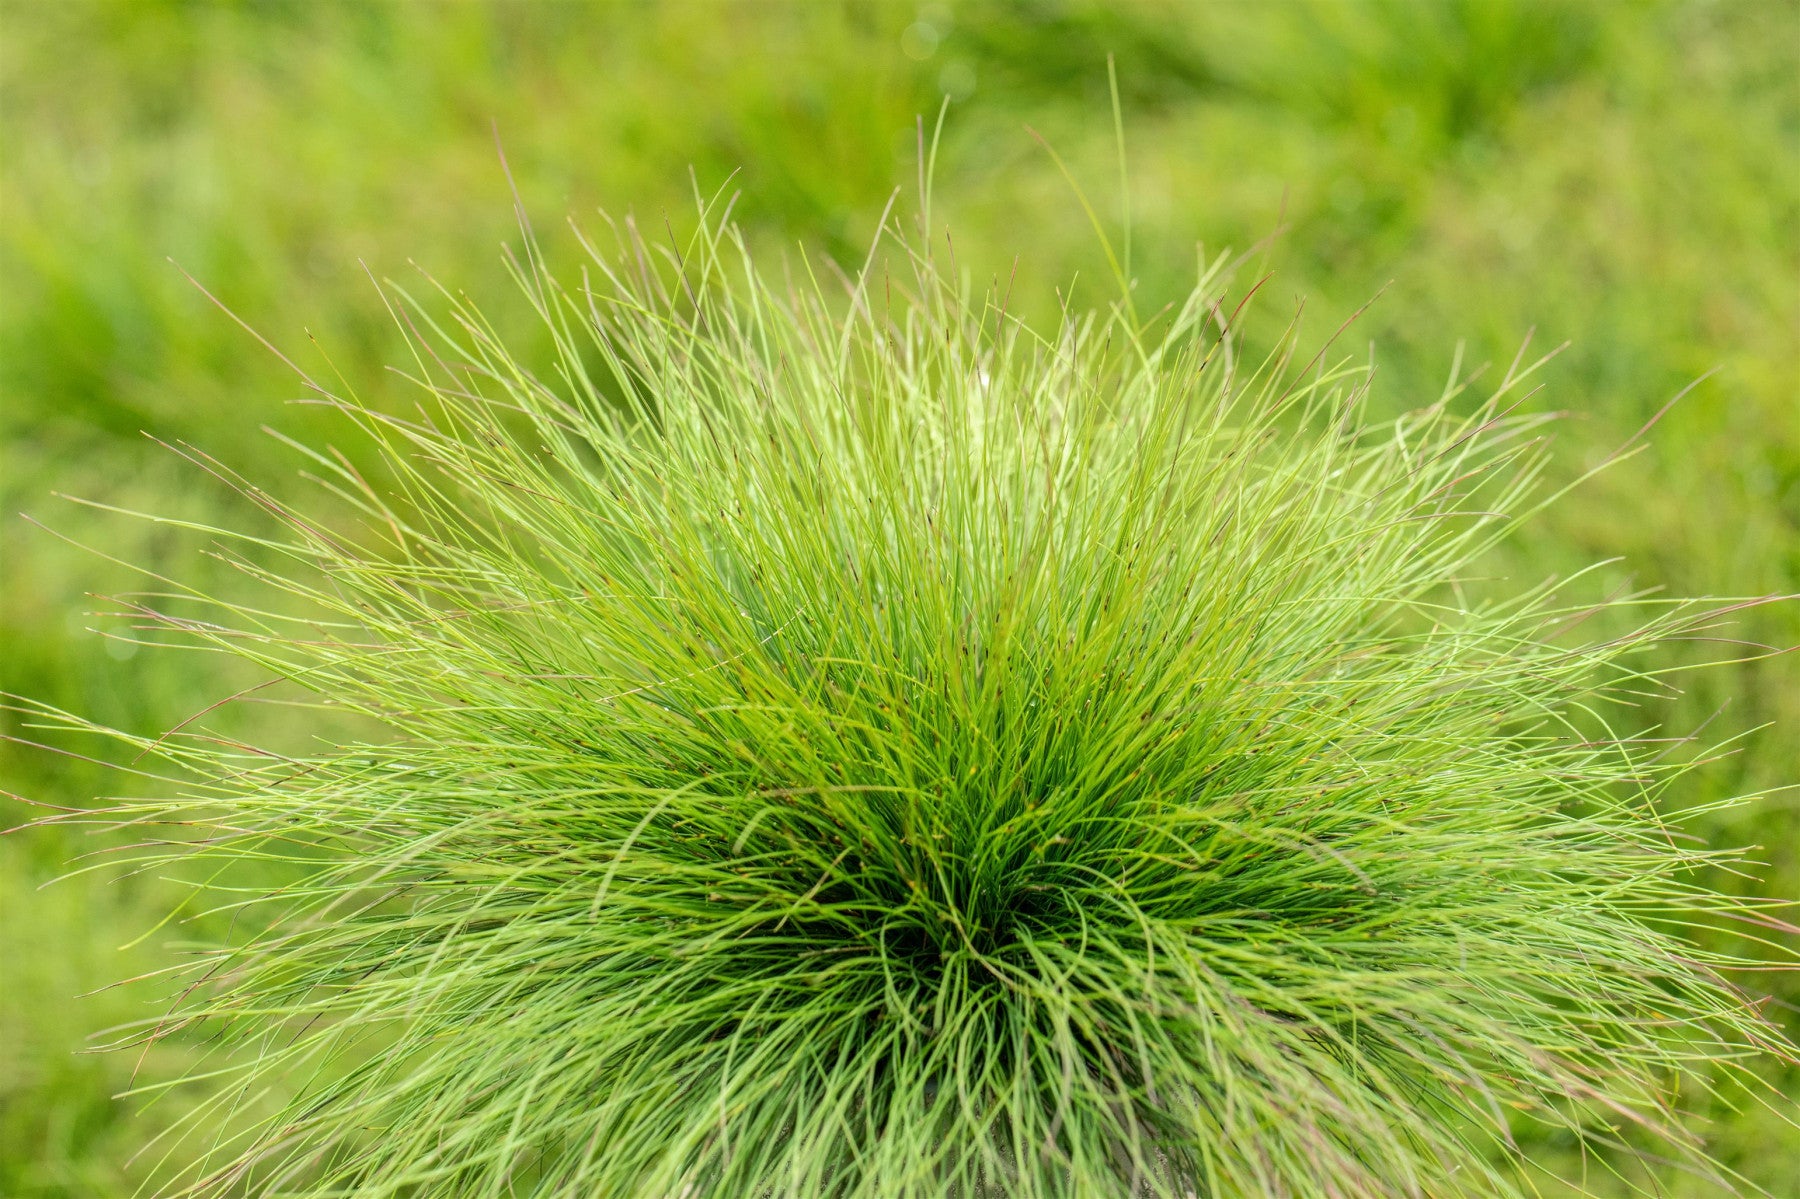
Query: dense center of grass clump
[(868, 748)]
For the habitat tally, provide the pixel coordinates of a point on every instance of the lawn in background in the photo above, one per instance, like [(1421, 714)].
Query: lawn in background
[(1621, 175)]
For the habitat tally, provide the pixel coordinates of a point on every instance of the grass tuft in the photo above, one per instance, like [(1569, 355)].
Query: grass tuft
[(839, 741)]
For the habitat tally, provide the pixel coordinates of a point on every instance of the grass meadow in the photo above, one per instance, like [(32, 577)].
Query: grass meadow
[(1620, 175)]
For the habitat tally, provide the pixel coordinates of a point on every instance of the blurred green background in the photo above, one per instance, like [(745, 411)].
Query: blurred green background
[(1621, 174)]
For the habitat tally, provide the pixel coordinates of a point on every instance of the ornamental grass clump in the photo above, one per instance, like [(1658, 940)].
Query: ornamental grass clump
[(840, 741)]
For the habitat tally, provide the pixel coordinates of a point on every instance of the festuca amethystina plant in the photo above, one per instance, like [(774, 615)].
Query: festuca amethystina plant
[(844, 740)]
